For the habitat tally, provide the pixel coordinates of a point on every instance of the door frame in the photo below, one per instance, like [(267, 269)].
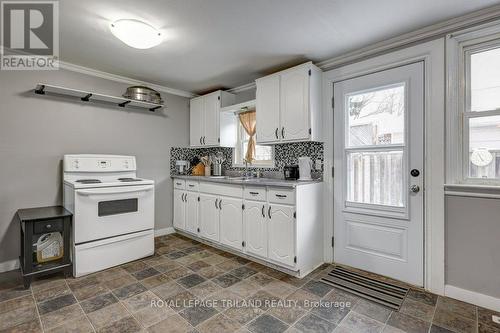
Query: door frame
[(432, 53)]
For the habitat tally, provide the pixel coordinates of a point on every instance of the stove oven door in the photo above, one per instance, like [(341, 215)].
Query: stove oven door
[(111, 211)]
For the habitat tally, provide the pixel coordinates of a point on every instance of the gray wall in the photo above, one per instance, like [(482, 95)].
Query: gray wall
[(473, 244), (36, 131)]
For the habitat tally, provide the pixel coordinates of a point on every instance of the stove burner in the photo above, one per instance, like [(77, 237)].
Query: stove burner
[(129, 179), (88, 181)]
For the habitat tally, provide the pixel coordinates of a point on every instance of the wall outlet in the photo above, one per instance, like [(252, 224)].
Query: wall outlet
[(496, 319), (317, 164)]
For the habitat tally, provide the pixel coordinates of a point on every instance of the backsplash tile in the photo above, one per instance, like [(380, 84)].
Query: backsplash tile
[(284, 154)]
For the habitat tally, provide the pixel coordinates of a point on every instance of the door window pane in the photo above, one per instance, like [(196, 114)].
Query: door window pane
[(375, 178), (376, 117), (485, 80), (484, 147)]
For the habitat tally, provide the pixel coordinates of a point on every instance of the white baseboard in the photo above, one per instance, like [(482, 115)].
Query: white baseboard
[(9, 265), (164, 231), (472, 297)]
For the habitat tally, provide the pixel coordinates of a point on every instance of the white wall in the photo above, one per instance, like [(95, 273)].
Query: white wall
[(36, 131)]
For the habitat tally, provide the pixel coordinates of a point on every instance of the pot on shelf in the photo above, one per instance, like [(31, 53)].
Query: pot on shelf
[(143, 94)]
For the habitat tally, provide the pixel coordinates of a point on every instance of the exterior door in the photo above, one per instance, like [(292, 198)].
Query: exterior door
[(378, 183), (231, 222), (209, 217), (196, 121), (281, 234), (255, 221), (268, 106), (192, 212), (211, 119), (179, 210), (295, 105)]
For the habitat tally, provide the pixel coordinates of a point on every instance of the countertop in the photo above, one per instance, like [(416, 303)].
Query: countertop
[(250, 181)]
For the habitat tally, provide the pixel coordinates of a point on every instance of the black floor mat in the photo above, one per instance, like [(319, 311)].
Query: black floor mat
[(378, 291)]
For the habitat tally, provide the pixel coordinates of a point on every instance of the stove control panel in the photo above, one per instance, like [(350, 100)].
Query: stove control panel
[(98, 163)]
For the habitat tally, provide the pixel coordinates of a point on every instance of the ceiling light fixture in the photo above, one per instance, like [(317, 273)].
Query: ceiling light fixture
[(135, 33)]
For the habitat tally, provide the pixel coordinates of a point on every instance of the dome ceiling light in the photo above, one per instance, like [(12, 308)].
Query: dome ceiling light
[(136, 34)]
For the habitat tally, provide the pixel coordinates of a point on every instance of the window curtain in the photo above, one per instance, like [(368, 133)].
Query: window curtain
[(248, 121)]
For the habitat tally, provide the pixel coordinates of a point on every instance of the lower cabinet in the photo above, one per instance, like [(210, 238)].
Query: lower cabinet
[(179, 210), (209, 217), (255, 221), (231, 222), (192, 202), (281, 230)]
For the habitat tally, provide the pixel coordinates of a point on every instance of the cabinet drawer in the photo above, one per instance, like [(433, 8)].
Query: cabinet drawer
[(282, 196), (48, 226), (192, 185), (222, 189), (255, 193), (180, 184)]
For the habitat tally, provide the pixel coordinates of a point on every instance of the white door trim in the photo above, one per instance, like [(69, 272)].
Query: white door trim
[(433, 55)]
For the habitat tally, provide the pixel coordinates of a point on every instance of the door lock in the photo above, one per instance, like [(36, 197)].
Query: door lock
[(415, 188), (414, 173)]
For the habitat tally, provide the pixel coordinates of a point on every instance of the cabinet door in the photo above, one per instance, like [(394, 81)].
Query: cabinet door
[(209, 217), (192, 212), (281, 231), (211, 119), (294, 104), (196, 122), (268, 109), (231, 222), (255, 222), (179, 210)]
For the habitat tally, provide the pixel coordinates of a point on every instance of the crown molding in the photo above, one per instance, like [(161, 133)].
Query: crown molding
[(241, 88), (434, 31), (122, 79)]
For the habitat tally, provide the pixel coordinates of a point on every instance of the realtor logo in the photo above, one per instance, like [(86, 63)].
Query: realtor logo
[(29, 35)]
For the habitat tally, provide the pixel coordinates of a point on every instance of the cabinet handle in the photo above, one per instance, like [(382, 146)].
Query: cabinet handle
[(216, 203), (280, 195), (201, 141), (220, 204), (283, 132), (269, 212), (276, 133), (191, 185), (204, 140), (48, 226), (263, 213), (179, 184), (185, 197), (254, 193)]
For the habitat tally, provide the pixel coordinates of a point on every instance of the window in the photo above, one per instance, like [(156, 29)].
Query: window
[(481, 112), (375, 145), (263, 154)]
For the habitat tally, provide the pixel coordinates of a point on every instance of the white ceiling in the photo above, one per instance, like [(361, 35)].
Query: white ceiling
[(227, 43)]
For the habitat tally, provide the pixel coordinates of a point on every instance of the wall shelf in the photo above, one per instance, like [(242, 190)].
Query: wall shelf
[(86, 96), (240, 107)]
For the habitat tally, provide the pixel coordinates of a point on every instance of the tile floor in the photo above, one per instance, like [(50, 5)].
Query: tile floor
[(232, 294)]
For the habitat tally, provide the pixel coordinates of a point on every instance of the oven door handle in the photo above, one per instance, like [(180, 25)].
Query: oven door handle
[(120, 190)]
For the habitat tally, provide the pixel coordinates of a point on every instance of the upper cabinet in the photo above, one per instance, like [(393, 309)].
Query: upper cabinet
[(208, 126), (288, 105)]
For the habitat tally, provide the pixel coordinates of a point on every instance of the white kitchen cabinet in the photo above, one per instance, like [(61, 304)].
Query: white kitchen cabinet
[(192, 212), (289, 105), (206, 123), (276, 225), (196, 121), (179, 210), (281, 232), (255, 222), (231, 222), (209, 217), (268, 109)]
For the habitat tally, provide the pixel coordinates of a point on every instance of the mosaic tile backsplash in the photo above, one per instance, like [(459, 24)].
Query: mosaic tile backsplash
[(284, 154)]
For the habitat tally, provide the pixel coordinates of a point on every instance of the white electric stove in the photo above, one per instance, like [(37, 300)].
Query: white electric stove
[(113, 211)]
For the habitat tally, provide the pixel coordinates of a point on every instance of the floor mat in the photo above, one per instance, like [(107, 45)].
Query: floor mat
[(378, 291)]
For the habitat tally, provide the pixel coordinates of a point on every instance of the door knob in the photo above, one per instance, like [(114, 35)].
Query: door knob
[(415, 188)]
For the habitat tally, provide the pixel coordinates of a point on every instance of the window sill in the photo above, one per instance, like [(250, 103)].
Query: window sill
[(473, 190), (254, 166)]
